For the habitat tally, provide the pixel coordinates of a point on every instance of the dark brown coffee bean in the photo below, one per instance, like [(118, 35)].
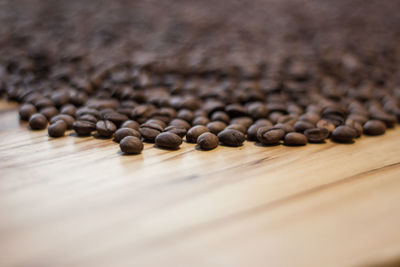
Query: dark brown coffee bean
[(200, 120), (355, 125), (157, 121), (257, 110), (131, 145), (263, 122), (389, 120), (168, 140), (374, 127), (194, 132), (181, 132), (60, 98), (88, 117), (207, 141), (84, 110), (123, 132), (180, 123), (130, 124), (38, 122), (316, 135), (149, 131), (220, 116), (295, 139), (83, 128), (26, 111), (43, 102), (57, 129), (116, 118), (236, 110), (68, 109), (105, 128), (186, 115), (301, 126), (287, 119), (49, 112), (274, 117), (69, 120), (344, 134), (268, 136), (310, 117), (360, 118), (216, 126), (286, 127), (252, 131), (245, 121), (231, 137), (326, 124), (238, 127)]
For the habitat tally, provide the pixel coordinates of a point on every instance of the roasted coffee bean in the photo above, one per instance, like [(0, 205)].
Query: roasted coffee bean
[(130, 124), (37, 122), (68, 109), (263, 122), (231, 137), (26, 111), (301, 126), (194, 132), (186, 115), (216, 126), (105, 128), (326, 124), (374, 127), (69, 120), (269, 136), (181, 132), (43, 102), (286, 127), (168, 140), (49, 112), (131, 145), (245, 121), (57, 129), (207, 141), (238, 127), (220, 116), (149, 131), (295, 139), (200, 120), (355, 125), (83, 128), (115, 117), (85, 110), (60, 98), (180, 123), (123, 132), (287, 119), (316, 135), (252, 131), (344, 134), (389, 120), (159, 122), (257, 110), (88, 117), (310, 117)]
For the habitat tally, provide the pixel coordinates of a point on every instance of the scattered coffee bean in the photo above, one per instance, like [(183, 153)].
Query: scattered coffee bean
[(49, 112), (295, 139), (180, 123), (316, 135), (301, 126), (57, 129), (69, 120), (37, 122), (207, 141), (216, 126), (105, 128), (344, 134), (201, 120), (269, 136), (150, 130), (83, 128), (237, 127), (374, 127), (194, 132), (181, 132), (131, 145), (130, 124), (231, 137), (168, 140), (26, 111), (123, 132)]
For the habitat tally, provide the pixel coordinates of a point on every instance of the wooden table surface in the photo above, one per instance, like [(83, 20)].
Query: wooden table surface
[(78, 202)]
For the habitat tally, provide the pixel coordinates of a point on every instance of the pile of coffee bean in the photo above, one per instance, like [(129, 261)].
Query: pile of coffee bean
[(289, 86)]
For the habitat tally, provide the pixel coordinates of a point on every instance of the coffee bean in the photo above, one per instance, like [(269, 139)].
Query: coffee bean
[(286, 127), (389, 120), (83, 128), (181, 132), (344, 134), (238, 127), (26, 111), (168, 140), (88, 117), (245, 121), (194, 132), (150, 130), (257, 110), (301, 126), (131, 145), (68, 109), (356, 126), (200, 120), (180, 123), (216, 126), (69, 120), (269, 136), (326, 124), (231, 137), (123, 132), (374, 127), (115, 117), (49, 112), (105, 128), (186, 115), (263, 122), (220, 116), (316, 135), (252, 132), (295, 139), (57, 129), (156, 121), (44, 102), (130, 124), (37, 121), (207, 141)]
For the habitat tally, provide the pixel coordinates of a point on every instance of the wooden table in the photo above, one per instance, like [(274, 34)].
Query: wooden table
[(78, 202)]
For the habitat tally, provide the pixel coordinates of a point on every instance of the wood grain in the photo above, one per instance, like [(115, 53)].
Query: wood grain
[(78, 202)]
